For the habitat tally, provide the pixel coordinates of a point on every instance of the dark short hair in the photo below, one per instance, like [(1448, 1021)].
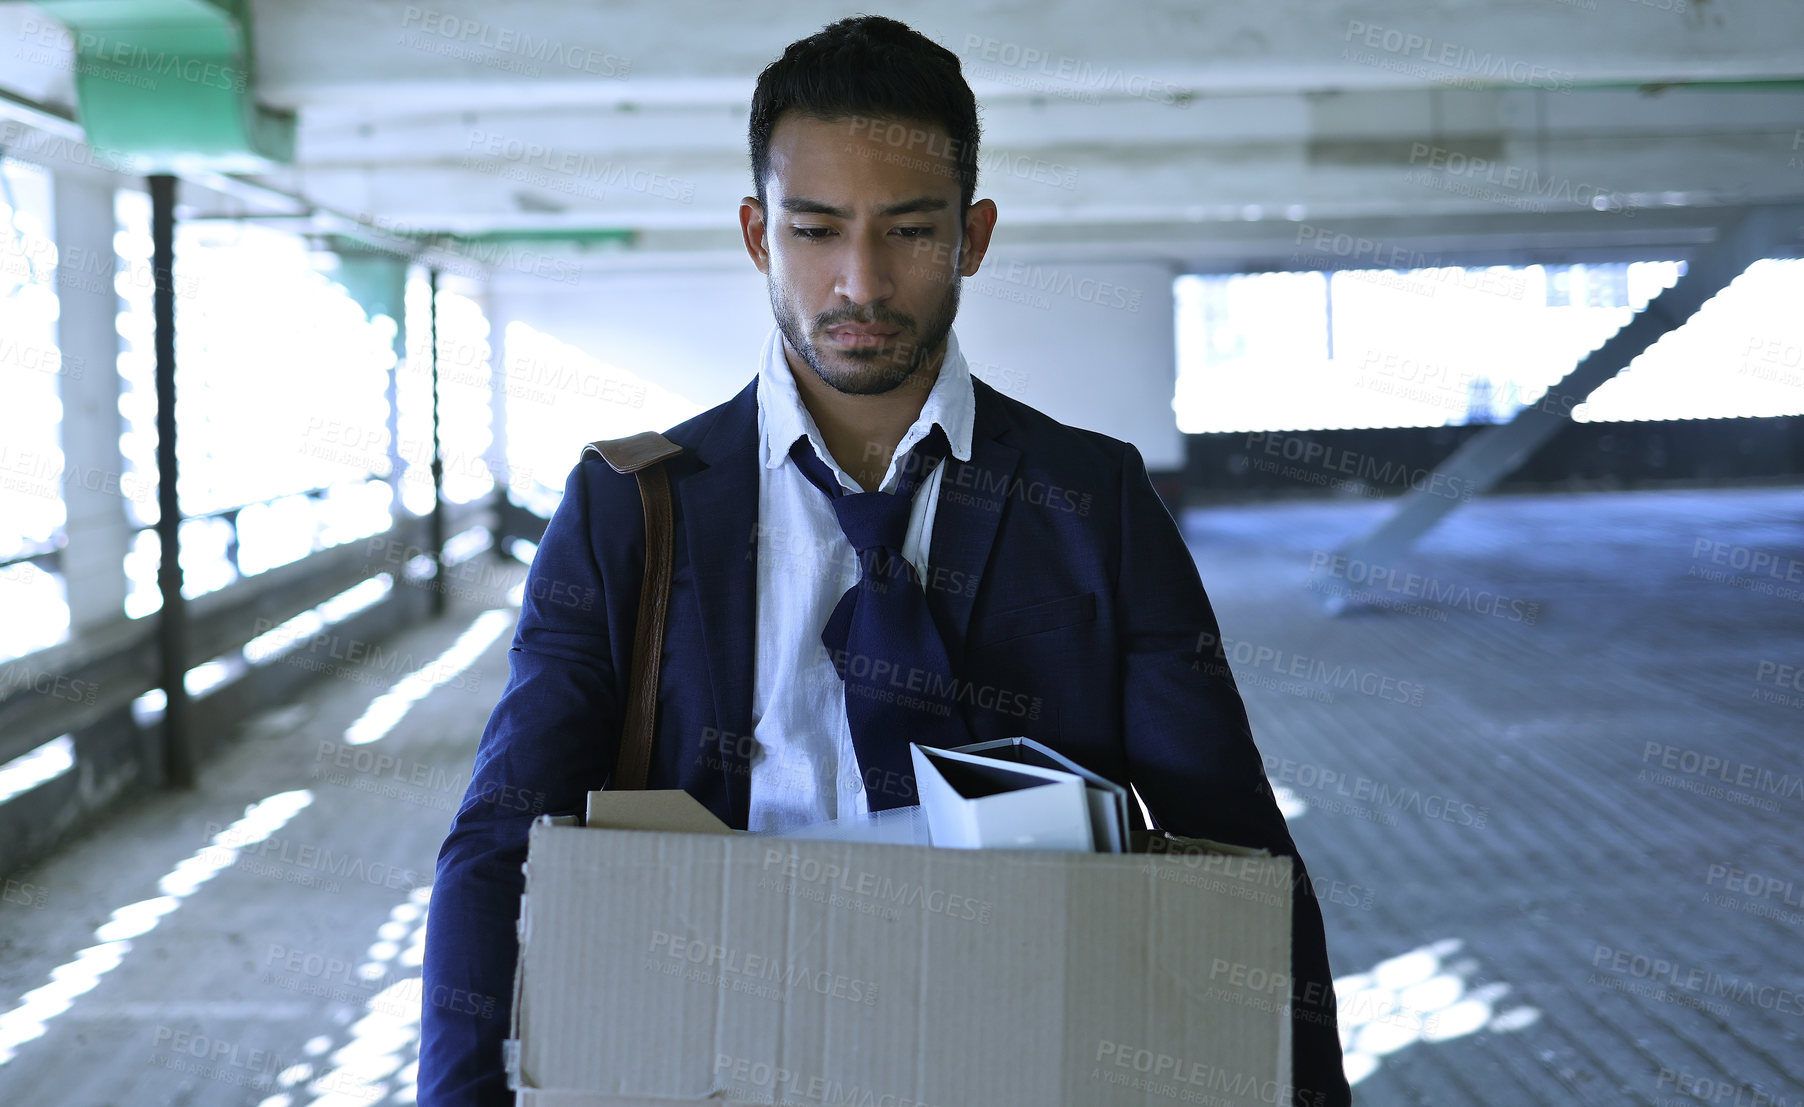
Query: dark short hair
[(872, 67)]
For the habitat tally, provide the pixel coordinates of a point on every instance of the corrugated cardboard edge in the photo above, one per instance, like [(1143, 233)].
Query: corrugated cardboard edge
[(526, 1095), (510, 1046), (1156, 842), (658, 810), (1283, 1024)]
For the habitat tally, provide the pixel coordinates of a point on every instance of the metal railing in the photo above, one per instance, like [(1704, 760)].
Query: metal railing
[(86, 686)]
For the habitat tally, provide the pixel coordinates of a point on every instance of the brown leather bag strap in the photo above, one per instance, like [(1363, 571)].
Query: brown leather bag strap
[(642, 454)]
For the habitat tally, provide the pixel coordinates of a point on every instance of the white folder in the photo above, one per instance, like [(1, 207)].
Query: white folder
[(978, 802), (1108, 800)]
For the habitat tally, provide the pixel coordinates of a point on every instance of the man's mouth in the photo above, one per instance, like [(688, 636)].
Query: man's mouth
[(855, 335)]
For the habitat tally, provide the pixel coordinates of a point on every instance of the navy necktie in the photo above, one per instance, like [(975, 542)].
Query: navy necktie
[(882, 637)]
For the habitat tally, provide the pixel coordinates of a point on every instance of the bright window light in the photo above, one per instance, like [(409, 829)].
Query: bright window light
[(282, 385), (465, 391), (1451, 346), (40, 766), (1741, 355), (559, 397), (33, 472)]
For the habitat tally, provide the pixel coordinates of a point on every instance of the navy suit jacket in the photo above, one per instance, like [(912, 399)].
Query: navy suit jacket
[(1059, 580)]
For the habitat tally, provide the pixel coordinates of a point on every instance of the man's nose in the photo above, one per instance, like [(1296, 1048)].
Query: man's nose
[(866, 277)]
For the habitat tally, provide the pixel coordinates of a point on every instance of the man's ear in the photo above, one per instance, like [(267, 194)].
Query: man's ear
[(751, 228), (980, 223)]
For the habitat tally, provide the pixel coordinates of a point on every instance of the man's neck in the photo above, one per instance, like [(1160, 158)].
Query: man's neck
[(862, 432)]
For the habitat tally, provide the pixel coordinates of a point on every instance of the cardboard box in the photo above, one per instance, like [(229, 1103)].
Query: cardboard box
[(660, 968)]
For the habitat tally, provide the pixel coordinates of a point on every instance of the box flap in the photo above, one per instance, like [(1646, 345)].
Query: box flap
[(670, 810)]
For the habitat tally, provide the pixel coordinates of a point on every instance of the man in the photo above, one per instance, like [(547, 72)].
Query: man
[(1027, 580)]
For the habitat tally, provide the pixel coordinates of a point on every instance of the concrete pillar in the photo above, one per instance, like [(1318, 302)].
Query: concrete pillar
[(496, 454), (87, 333), (1090, 343)]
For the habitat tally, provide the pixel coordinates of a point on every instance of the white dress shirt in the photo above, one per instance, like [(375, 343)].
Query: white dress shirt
[(804, 769)]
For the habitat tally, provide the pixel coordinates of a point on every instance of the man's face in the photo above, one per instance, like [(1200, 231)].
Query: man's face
[(864, 244)]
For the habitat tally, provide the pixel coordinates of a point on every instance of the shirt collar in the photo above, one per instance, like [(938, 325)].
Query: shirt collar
[(782, 417)]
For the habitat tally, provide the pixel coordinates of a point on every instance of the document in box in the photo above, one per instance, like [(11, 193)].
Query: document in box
[(1108, 801), (977, 802)]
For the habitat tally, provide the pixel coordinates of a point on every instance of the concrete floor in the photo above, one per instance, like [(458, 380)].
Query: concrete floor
[(1563, 899), (1551, 790)]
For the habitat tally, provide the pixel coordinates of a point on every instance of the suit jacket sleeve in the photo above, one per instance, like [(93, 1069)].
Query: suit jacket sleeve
[(551, 739), (1191, 753)]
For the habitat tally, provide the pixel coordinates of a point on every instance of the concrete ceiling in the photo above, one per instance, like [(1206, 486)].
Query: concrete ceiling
[(1220, 135)]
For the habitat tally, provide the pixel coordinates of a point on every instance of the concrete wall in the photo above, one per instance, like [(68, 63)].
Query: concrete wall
[(1090, 344)]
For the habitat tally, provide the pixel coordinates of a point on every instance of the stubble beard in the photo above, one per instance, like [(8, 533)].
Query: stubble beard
[(875, 370)]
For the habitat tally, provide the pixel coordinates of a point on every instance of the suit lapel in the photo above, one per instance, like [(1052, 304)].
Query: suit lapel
[(720, 524), (972, 498)]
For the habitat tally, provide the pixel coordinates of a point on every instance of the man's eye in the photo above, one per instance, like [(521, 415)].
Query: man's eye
[(915, 232), (811, 232)]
